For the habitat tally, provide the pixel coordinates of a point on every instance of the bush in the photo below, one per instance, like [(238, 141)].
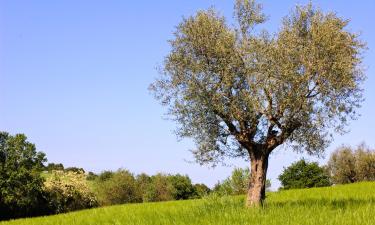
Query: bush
[(303, 174), (348, 165), (21, 185), (117, 188), (68, 191)]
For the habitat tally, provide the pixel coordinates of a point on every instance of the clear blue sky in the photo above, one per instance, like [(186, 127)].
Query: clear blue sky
[(74, 78)]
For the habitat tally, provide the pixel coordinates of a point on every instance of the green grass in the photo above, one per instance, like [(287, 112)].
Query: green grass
[(344, 204)]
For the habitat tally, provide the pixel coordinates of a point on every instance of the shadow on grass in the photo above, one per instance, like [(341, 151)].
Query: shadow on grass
[(332, 203)]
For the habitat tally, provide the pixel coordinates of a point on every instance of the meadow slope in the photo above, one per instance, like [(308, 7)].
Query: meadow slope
[(343, 204)]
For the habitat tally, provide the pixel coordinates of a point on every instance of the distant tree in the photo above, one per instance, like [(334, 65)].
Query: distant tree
[(237, 183), (240, 180), (183, 188), (75, 169), (302, 174), (122, 187), (201, 190), (161, 189), (21, 184), (118, 188), (105, 175), (341, 166), (223, 188), (364, 163), (54, 166), (91, 176), (348, 165), (243, 93), (143, 183), (268, 185)]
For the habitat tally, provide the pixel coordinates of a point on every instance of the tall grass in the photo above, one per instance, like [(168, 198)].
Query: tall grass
[(343, 204)]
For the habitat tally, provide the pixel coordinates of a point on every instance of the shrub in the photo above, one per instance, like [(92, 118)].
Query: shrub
[(348, 165), (303, 174), (69, 191)]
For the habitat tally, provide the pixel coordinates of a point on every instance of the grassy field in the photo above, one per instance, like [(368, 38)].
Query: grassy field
[(345, 204)]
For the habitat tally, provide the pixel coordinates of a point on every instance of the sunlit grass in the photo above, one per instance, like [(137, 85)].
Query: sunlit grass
[(344, 204)]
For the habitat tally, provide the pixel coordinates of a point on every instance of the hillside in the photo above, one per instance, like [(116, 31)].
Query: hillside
[(344, 204)]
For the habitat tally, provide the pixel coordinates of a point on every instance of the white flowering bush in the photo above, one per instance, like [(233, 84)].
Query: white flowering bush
[(69, 191)]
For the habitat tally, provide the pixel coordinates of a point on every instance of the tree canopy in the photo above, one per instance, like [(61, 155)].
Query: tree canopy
[(21, 186), (303, 174), (349, 165)]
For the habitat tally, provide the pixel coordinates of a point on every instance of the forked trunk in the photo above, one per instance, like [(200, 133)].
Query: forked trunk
[(257, 184)]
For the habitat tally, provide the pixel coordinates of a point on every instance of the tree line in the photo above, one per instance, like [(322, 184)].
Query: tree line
[(28, 187)]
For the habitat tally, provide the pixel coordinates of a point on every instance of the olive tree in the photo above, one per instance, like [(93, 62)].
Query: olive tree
[(349, 165), (239, 91)]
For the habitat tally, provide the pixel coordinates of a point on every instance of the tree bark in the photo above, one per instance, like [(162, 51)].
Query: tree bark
[(257, 184)]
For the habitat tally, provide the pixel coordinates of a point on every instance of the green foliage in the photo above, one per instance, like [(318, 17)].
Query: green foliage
[(21, 192), (91, 176), (302, 174), (201, 190), (183, 188), (105, 175), (74, 169), (54, 166), (68, 191), (240, 180), (59, 166), (118, 188), (237, 183), (236, 91), (341, 204), (143, 182), (348, 165), (160, 189), (164, 187), (123, 187)]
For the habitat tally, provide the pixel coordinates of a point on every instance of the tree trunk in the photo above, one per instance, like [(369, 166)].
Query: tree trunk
[(257, 184)]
